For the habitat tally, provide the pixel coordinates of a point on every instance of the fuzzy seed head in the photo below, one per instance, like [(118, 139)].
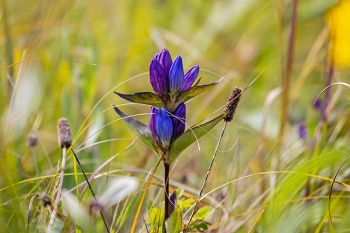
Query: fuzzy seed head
[(63, 133), (32, 140), (232, 103), (45, 199)]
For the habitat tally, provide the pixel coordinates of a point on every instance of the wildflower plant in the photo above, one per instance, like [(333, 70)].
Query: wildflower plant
[(165, 134)]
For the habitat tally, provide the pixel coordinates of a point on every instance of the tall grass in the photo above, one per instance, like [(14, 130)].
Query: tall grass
[(65, 58)]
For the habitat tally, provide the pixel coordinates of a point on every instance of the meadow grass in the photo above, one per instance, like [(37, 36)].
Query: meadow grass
[(281, 165)]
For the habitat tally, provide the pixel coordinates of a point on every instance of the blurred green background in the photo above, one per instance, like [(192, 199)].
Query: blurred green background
[(65, 58)]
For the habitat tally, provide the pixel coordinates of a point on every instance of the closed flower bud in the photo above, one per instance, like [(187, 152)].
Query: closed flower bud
[(164, 58), (176, 76), (161, 126), (179, 120), (232, 103), (63, 133), (173, 202), (168, 76), (158, 78)]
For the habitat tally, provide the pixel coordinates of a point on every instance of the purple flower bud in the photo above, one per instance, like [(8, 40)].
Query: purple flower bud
[(317, 104), (302, 130), (161, 126), (190, 77), (176, 76), (158, 78), (173, 202), (164, 59), (179, 120), (152, 122)]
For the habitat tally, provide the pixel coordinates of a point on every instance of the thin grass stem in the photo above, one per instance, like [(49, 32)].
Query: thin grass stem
[(90, 188), (58, 190), (206, 177)]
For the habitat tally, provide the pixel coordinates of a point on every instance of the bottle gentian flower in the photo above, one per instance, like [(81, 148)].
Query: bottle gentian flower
[(167, 76), (161, 126), (165, 126)]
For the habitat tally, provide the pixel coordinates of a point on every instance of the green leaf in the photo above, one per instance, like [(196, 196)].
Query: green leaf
[(196, 90), (148, 98), (202, 213), (156, 216), (139, 128), (174, 222), (190, 136)]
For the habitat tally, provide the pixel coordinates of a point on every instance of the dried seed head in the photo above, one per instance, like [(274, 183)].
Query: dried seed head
[(232, 103), (63, 133), (32, 140), (45, 199)]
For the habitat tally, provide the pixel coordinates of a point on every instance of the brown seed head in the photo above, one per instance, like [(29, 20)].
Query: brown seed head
[(232, 103), (32, 140), (63, 133), (45, 199)]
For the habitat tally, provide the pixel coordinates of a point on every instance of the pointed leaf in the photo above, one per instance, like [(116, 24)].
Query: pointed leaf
[(148, 98), (190, 136), (196, 90), (156, 216), (139, 128), (174, 222)]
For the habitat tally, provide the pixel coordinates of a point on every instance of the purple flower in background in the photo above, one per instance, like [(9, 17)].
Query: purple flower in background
[(317, 104), (166, 127), (302, 130), (168, 76)]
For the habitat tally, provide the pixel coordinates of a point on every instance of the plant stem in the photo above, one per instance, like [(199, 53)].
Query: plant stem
[(58, 190), (8, 48), (91, 190), (166, 190), (287, 74), (206, 177)]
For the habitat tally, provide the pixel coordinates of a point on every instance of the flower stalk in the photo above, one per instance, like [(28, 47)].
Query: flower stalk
[(165, 133), (166, 190)]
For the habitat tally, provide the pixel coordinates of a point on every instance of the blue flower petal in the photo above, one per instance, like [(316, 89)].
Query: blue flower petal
[(190, 77), (152, 122), (179, 120), (176, 76), (164, 58), (158, 78), (164, 127)]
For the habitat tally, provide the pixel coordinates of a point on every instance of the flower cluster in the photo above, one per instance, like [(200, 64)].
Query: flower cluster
[(172, 87), (168, 78), (165, 133), (169, 81)]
